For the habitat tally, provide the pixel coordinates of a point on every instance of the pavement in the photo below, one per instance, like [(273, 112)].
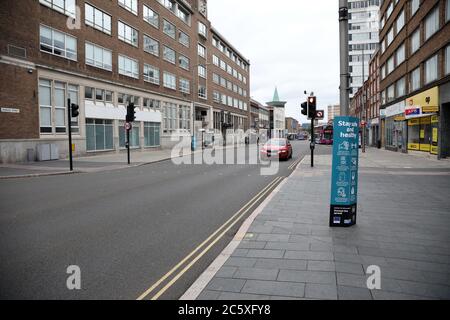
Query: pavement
[(286, 250)]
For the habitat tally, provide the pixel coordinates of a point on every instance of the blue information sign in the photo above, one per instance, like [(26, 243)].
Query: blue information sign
[(344, 185)]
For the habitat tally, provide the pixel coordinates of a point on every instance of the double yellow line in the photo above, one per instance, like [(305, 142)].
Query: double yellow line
[(212, 240), (295, 164)]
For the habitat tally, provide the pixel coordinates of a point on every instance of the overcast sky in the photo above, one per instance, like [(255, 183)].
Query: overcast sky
[(293, 45)]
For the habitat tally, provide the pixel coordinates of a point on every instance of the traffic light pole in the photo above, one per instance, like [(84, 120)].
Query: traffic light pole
[(313, 142), (69, 118), (128, 146)]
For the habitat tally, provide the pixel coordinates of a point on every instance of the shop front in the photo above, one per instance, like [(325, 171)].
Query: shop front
[(395, 128), (422, 114)]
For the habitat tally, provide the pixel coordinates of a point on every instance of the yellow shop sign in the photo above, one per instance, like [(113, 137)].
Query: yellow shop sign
[(427, 100)]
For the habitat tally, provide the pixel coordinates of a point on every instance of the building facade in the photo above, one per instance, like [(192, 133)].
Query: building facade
[(162, 55), (415, 75), (291, 125), (363, 39), (277, 116), (333, 112)]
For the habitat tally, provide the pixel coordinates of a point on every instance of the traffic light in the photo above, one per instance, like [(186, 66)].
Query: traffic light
[(312, 104), (305, 108), (131, 114), (75, 110)]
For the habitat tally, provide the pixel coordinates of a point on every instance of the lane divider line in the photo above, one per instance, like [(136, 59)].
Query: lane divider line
[(168, 274), (182, 272)]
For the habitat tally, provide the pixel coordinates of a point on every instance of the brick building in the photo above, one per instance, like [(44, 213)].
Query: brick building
[(415, 75), (163, 55)]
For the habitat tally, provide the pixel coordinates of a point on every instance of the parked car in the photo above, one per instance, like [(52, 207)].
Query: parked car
[(278, 149)]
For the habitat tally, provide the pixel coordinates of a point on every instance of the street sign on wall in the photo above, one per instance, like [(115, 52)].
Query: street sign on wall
[(344, 181)]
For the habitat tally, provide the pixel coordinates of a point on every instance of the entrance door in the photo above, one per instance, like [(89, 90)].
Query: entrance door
[(434, 134), (425, 134)]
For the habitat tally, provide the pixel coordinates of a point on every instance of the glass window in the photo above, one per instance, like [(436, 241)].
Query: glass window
[(202, 92), (151, 16), (170, 80), (202, 29), (201, 51), (415, 4), (128, 67), (415, 41), (169, 54), (97, 19), (184, 62), (151, 74), (134, 135), (183, 38), (202, 71), (152, 134), (169, 29), (431, 69), (401, 87), (58, 43), (447, 11), (185, 86), (415, 80), (401, 54), (401, 21), (447, 60), (128, 34), (45, 106), (130, 5), (66, 7), (151, 45), (98, 57), (432, 23)]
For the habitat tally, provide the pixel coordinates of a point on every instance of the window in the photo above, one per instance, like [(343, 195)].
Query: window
[(389, 11), (223, 65), (151, 16), (169, 55), (202, 92), (66, 7), (185, 86), (151, 74), (223, 82), (170, 80), (97, 19), (202, 71), (152, 134), (216, 96), (431, 69), (130, 5), (109, 96), (432, 23), (184, 62), (99, 135), (447, 60), (401, 54), (183, 38), (128, 34), (152, 103), (415, 80), (390, 65), (169, 4), (89, 93), (201, 51), (415, 41), (151, 46), (391, 93), (99, 95), (98, 57), (184, 117), (45, 106), (390, 37), (400, 21), (183, 15), (415, 4), (447, 11), (215, 60), (169, 113), (216, 78), (72, 94), (169, 29), (58, 43), (401, 87), (202, 29), (128, 67)]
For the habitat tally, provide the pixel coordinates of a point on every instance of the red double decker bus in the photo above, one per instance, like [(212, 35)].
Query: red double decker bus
[(325, 134)]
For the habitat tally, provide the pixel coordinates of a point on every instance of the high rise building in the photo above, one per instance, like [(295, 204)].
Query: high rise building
[(333, 112), (363, 39)]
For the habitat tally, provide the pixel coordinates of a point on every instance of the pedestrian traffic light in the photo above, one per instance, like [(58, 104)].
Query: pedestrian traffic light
[(75, 110), (131, 114), (312, 107), (305, 108)]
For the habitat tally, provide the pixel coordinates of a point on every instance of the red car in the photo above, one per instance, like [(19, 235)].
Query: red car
[(277, 148)]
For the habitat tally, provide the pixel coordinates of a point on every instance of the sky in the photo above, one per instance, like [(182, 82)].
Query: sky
[(292, 45)]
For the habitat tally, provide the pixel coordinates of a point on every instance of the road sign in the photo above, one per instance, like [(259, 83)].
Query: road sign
[(320, 114), (128, 126), (344, 185)]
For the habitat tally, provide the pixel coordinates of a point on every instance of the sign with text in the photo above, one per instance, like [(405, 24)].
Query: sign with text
[(344, 180)]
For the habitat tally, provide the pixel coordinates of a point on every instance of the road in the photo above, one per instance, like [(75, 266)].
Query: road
[(125, 229)]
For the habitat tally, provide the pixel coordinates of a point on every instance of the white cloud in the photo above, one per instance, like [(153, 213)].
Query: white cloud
[(292, 44)]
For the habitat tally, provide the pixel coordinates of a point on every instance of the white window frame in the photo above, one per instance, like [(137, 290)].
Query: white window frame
[(68, 9), (167, 49), (130, 5), (133, 72), (92, 21), (169, 80), (98, 63), (134, 40), (145, 37), (53, 47), (156, 74), (145, 10)]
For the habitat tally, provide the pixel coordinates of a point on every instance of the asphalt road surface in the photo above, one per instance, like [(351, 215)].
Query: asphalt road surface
[(145, 232)]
